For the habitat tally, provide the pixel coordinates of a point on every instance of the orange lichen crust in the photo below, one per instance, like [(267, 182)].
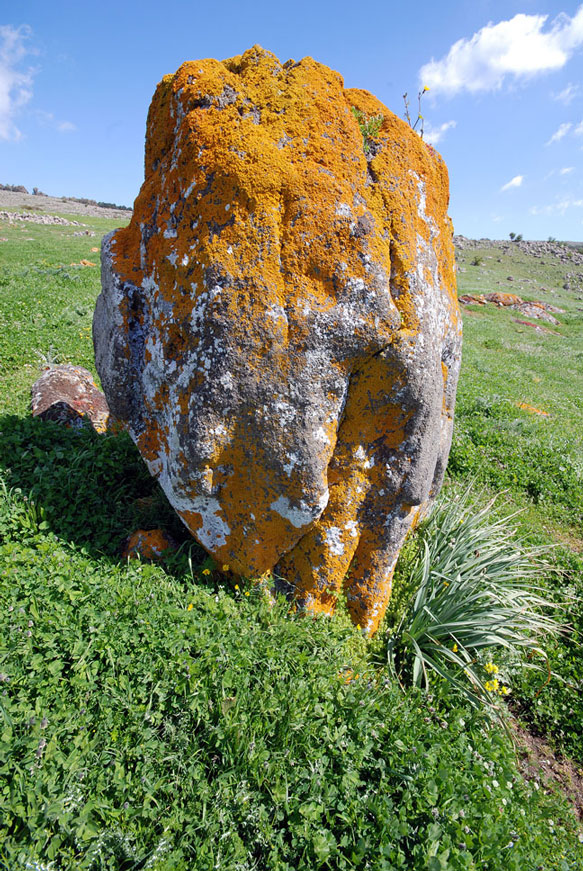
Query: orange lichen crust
[(532, 409), (148, 544), (279, 326)]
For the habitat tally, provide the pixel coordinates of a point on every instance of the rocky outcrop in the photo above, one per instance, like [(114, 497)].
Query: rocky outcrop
[(278, 325), (566, 252), (543, 311)]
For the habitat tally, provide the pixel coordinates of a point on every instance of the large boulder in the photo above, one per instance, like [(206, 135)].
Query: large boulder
[(278, 324)]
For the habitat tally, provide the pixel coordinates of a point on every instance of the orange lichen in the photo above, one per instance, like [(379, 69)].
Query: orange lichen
[(503, 299), (148, 544), (532, 409)]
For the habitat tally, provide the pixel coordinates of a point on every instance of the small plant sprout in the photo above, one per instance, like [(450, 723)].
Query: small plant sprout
[(419, 121), (370, 126), (48, 359)]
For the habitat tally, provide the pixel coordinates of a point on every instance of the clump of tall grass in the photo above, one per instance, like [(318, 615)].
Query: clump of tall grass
[(476, 592)]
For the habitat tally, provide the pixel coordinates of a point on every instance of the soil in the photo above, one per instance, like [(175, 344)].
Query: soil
[(18, 202), (539, 763)]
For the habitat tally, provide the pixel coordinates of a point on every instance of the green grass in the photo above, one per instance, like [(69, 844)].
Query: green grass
[(538, 459), (46, 304), (148, 718), (157, 717)]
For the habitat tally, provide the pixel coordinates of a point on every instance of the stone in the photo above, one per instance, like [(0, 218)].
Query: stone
[(503, 299), (278, 325), (68, 394), (472, 299), (149, 544), (538, 310)]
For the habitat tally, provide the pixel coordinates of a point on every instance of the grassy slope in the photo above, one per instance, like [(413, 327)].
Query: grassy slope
[(505, 363), (161, 718)]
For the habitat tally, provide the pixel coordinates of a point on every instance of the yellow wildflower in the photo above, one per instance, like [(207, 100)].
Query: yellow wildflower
[(190, 607), (206, 571), (492, 685), (225, 568), (236, 586), (504, 691), (455, 648), (491, 668)]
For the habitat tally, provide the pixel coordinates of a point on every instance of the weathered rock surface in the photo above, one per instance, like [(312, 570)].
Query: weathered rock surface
[(533, 309), (278, 325), (148, 544), (68, 394)]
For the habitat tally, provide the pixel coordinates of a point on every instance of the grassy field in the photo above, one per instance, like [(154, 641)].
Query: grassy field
[(160, 717)]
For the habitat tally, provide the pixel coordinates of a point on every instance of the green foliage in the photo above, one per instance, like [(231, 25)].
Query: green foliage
[(555, 709), (370, 127), (496, 446), (61, 469), (475, 597), (515, 237), (148, 721), (477, 261)]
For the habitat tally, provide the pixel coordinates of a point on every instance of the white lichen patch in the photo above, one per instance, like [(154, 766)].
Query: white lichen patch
[(214, 530), (333, 536), (352, 528), (298, 515), (289, 466)]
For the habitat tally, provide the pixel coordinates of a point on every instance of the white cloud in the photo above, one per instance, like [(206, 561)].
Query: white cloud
[(560, 207), (517, 48), (513, 183), (433, 135), (568, 94), (566, 170), (15, 83), (559, 133), (47, 119), (578, 131)]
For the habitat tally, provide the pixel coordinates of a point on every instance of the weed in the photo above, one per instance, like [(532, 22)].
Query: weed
[(370, 127), (419, 121)]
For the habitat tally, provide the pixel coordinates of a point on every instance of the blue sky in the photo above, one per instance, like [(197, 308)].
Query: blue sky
[(505, 105)]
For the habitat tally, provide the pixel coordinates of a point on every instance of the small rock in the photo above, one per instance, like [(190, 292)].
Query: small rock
[(68, 394), (149, 544)]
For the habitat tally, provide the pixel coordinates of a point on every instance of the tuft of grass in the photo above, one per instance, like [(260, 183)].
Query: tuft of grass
[(476, 592)]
